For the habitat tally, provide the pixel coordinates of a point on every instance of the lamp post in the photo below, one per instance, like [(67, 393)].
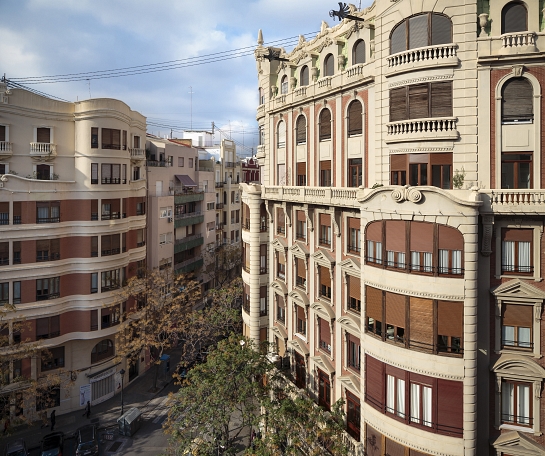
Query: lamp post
[(122, 372)]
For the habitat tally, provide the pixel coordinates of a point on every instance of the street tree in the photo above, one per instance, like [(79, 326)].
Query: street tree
[(223, 264), (163, 301)]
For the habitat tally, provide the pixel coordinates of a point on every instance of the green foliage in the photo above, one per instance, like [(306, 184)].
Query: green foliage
[(458, 178)]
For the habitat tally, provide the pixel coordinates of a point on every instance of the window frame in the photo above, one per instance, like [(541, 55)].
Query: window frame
[(505, 9), (537, 228)]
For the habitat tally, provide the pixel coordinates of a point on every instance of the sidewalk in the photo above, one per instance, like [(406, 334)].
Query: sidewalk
[(105, 414)]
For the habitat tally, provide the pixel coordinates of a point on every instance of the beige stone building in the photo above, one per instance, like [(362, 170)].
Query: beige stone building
[(72, 224), (181, 216), (393, 251)]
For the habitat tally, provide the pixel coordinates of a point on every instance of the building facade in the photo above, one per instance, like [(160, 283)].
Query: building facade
[(393, 250), (72, 231), (250, 170)]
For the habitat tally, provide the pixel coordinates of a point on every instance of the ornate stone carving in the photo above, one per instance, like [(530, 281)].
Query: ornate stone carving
[(323, 44), (293, 83), (314, 73), (421, 79), (517, 70), (406, 193), (488, 229), (483, 21), (341, 62)]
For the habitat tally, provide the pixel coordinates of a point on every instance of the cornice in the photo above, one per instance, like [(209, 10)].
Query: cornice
[(418, 294), (445, 77)]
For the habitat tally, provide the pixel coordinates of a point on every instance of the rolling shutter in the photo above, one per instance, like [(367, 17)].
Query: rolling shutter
[(301, 217), (325, 331), (517, 235), (301, 313), (353, 223), (421, 237), (398, 104), (106, 244), (450, 238), (94, 320), (514, 18), (325, 219), (395, 235), (354, 287), (398, 162), (358, 53), (55, 325), (281, 134), (106, 171), (374, 231), (301, 270), (421, 322), (450, 316), (418, 101), (301, 133), (395, 309), (398, 39), (304, 76), (301, 169), (373, 298), (418, 31), (116, 242), (441, 99), (4, 249), (325, 124), (517, 100), (325, 278), (94, 206), (394, 448), (55, 248), (441, 29), (517, 315), (329, 65), (354, 118), (374, 386), (43, 135), (281, 258), (116, 174), (42, 327), (450, 407)]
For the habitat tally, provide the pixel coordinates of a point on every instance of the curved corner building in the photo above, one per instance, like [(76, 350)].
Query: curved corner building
[(72, 231), (393, 249)]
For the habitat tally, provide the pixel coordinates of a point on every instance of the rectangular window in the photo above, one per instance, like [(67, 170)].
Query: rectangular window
[(354, 294), (47, 328), (324, 290), (110, 209), (301, 174), (450, 261), (324, 335), (395, 396), (374, 252), (4, 212), (180, 162), (325, 229), (17, 292), (48, 212), (111, 173), (94, 137), (280, 221), (516, 255), (450, 317), (353, 415), (280, 266), (110, 280), (94, 282), (4, 253), (124, 174), (516, 170), (395, 317), (94, 173), (111, 139), (263, 259), (301, 273), (301, 321), (419, 101), (48, 250), (421, 407), (281, 175), (354, 353), (325, 173), (191, 163), (301, 226), (47, 288), (516, 403), (43, 135), (124, 139), (53, 359), (355, 172), (136, 142), (374, 315), (517, 325), (110, 244), (4, 293), (422, 169), (280, 310)]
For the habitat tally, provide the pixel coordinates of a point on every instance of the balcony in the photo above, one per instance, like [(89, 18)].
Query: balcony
[(188, 197), (422, 130), (232, 164), (513, 201), (190, 220), (312, 195), (219, 205), (43, 151), (186, 215), (219, 226), (6, 150), (188, 243), (527, 45), (137, 154), (189, 265), (219, 184), (426, 57), (158, 164)]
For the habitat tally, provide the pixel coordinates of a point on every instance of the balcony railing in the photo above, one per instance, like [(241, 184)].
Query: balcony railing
[(513, 201), (43, 150), (422, 56), (138, 154), (519, 39), (6, 149), (421, 129), (219, 205), (219, 184), (186, 215), (312, 195), (158, 164)]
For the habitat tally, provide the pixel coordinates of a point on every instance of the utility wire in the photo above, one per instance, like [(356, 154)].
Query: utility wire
[(153, 67)]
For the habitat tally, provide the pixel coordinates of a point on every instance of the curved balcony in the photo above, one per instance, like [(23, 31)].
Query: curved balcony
[(422, 129), (312, 195), (415, 59), (43, 151)]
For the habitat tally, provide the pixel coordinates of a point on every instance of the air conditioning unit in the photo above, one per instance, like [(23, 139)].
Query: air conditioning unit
[(169, 219)]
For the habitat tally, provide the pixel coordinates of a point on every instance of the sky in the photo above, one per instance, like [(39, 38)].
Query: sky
[(60, 37)]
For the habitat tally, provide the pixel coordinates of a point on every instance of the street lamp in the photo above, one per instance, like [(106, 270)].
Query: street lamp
[(122, 372)]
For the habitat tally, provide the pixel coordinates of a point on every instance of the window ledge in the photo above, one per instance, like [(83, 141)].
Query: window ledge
[(523, 277), (522, 352), (514, 427), (302, 337)]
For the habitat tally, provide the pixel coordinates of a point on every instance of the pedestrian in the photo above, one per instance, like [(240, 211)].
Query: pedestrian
[(87, 410), (52, 418)]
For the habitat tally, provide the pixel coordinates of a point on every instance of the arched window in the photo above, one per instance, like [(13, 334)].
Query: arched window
[(103, 350), (422, 30), (325, 124), (514, 18), (301, 130), (329, 65), (354, 118), (281, 134), (517, 101), (303, 81), (284, 85), (358, 52), (261, 96)]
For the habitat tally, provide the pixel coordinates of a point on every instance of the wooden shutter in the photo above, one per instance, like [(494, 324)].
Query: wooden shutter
[(419, 101), (514, 234), (301, 270), (395, 235), (517, 100), (325, 278), (421, 237), (517, 315), (394, 448), (450, 318), (325, 331), (395, 309), (304, 76), (514, 18), (325, 219), (398, 38), (373, 232), (43, 135), (441, 29), (301, 133), (374, 385), (354, 287), (353, 223), (373, 298), (398, 162), (301, 217), (358, 52), (398, 104), (354, 118), (450, 407), (418, 31), (421, 322), (441, 99), (325, 124), (450, 238), (329, 65), (302, 169)]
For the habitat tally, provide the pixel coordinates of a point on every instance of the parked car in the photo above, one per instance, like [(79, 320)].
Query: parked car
[(53, 444), (16, 448), (87, 441)]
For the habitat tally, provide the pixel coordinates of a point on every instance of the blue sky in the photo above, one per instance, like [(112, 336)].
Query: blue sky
[(57, 37)]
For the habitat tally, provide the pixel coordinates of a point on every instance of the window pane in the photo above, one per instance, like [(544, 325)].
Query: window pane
[(524, 256), (508, 256), (508, 335), (524, 337), (415, 403), (390, 393), (400, 403), (507, 401), (523, 402), (426, 406), (508, 175), (418, 31), (524, 175)]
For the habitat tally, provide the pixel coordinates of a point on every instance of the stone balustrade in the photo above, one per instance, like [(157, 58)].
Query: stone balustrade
[(513, 201), (422, 129), (519, 39), (43, 150), (312, 195), (428, 54)]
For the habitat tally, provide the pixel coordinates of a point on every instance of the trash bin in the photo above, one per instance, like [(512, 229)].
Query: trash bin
[(130, 422), (165, 364)]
